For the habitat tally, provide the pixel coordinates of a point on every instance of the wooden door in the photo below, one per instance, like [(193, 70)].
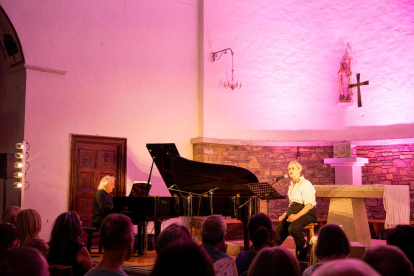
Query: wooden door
[(93, 157)]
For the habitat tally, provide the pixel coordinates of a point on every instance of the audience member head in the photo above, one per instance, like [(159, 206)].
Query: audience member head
[(30, 223), (10, 215), (274, 261), (183, 258), (213, 229), (388, 260), (402, 237), (66, 229), (107, 183), (9, 237), (172, 233), (332, 243), (345, 267), (23, 261), (117, 234), (261, 231)]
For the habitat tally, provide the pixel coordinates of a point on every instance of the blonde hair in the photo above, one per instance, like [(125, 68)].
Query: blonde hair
[(30, 222), (297, 164), (104, 181)]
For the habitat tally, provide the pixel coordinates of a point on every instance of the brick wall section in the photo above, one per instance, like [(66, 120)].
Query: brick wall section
[(390, 165), (270, 162)]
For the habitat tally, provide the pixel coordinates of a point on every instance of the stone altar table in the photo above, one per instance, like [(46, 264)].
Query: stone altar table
[(347, 208)]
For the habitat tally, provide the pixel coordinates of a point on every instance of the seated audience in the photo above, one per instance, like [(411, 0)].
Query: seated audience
[(172, 233), (332, 244), (261, 233), (23, 261), (30, 223), (65, 244), (213, 230), (183, 258), (102, 201), (402, 237), (9, 215), (346, 267), (274, 261), (388, 260), (212, 235), (9, 237), (117, 239)]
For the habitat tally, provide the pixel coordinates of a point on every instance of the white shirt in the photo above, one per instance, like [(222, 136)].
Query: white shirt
[(302, 192)]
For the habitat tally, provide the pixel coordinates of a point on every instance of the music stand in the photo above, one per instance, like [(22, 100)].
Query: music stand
[(140, 188), (264, 191)]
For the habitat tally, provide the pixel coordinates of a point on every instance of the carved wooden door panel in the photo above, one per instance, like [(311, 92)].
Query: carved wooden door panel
[(93, 157)]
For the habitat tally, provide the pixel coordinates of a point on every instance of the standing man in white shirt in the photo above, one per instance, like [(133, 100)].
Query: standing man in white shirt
[(301, 211)]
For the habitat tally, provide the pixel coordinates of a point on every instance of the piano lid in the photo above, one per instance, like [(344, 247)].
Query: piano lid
[(199, 177)]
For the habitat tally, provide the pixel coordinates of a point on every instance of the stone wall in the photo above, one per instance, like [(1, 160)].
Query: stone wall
[(390, 165), (270, 162)]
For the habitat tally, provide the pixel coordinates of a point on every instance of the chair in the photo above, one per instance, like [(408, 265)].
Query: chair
[(93, 233), (60, 270), (310, 231)]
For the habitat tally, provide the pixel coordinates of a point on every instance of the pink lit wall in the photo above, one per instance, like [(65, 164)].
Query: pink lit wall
[(287, 56), (131, 72)]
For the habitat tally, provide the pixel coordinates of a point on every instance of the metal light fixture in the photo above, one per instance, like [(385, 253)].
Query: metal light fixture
[(18, 145), (18, 174), (17, 184), (227, 84)]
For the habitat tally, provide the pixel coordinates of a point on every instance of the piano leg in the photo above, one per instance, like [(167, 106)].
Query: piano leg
[(145, 237), (245, 234), (141, 239), (157, 228)]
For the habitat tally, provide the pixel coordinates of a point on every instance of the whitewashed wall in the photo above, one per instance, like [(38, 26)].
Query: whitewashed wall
[(287, 56), (131, 72)]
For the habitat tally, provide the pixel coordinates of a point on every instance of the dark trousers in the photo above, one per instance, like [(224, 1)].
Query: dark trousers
[(295, 229)]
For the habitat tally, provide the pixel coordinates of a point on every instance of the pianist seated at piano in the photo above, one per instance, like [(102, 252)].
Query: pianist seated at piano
[(102, 202), (301, 211)]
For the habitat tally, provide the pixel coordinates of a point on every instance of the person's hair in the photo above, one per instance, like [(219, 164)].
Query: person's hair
[(388, 260), (332, 240), (297, 164), (274, 261), (172, 233), (30, 223), (116, 232), (345, 267), (104, 181), (260, 229), (8, 234), (213, 229), (402, 236), (67, 229), (10, 213), (23, 261), (183, 258)]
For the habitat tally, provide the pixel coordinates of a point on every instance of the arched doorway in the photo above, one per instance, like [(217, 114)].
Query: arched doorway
[(12, 101)]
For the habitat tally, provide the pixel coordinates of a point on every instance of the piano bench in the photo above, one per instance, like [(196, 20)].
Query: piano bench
[(310, 231), (93, 233)]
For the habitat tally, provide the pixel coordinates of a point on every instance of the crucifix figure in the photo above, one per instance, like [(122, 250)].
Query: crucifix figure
[(358, 84)]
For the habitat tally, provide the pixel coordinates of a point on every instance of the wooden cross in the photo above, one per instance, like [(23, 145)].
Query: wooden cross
[(358, 84)]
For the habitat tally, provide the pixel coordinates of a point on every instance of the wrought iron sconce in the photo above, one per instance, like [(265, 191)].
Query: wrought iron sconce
[(228, 84)]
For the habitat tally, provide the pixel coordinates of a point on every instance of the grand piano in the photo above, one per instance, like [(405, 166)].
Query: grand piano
[(197, 189)]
